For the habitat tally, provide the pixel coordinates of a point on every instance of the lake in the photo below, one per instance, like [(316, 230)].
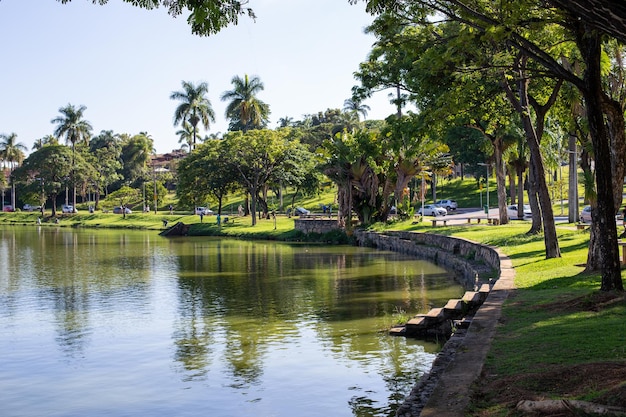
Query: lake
[(127, 323)]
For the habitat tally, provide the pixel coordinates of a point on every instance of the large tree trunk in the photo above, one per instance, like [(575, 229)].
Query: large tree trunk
[(253, 193), (538, 175), (512, 186), (536, 222), (500, 180), (520, 189), (605, 229), (543, 194)]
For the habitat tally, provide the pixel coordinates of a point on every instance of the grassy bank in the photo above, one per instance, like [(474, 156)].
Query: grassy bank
[(559, 337)]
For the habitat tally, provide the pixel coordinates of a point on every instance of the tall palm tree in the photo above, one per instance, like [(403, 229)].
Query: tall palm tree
[(11, 152), (72, 125), (245, 110), (356, 107), (75, 129), (194, 106)]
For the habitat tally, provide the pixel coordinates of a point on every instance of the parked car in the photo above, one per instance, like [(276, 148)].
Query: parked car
[(122, 210), (511, 211), (8, 208), (301, 211), (204, 211), (447, 204), (68, 208), (585, 214), (28, 207), (432, 210)]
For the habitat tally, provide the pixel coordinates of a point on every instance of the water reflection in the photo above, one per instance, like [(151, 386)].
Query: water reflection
[(207, 326)]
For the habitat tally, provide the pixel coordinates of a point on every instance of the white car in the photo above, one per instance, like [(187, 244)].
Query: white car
[(432, 210), (449, 205), (511, 211), (68, 208), (203, 211), (28, 207)]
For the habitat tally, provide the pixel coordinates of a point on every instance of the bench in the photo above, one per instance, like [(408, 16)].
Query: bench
[(581, 226), (445, 222), (493, 221), (469, 219)]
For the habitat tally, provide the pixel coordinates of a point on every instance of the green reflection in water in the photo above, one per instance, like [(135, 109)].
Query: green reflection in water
[(244, 326)]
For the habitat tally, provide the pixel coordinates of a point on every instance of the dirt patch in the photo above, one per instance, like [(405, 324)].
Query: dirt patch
[(593, 302), (602, 383)]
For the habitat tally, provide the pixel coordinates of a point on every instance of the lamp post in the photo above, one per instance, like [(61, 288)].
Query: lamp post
[(487, 166), (423, 191), (155, 187)]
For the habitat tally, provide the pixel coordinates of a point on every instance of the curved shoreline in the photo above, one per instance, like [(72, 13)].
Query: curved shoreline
[(445, 390)]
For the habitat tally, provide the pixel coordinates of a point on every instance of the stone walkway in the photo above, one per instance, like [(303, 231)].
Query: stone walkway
[(445, 390)]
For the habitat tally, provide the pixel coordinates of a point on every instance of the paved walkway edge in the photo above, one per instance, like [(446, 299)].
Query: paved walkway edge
[(462, 358)]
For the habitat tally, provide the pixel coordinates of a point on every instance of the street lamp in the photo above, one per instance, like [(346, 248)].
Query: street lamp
[(486, 165)]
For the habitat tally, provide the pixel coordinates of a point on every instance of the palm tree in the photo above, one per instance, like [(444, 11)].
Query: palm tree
[(356, 107), (75, 129), (285, 121), (245, 110), (186, 136), (194, 106), (72, 125), (11, 152), (46, 140)]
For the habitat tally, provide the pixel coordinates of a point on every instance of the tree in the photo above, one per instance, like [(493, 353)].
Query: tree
[(49, 169), (285, 121), (257, 156), (105, 152), (244, 109), (194, 106), (125, 195), (606, 16), (387, 63), (72, 125), (206, 173), (350, 161), (355, 106), (135, 155), (206, 17), (410, 150), (519, 26), (46, 140), (75, 129), (11, 152), (186, 136)]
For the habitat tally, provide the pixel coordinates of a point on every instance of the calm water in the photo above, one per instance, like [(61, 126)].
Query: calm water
[(123, 323)]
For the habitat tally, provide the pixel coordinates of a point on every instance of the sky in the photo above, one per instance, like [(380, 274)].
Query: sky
[(122, 63)]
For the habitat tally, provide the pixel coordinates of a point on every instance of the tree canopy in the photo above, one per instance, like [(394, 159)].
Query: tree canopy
[(206, 17)]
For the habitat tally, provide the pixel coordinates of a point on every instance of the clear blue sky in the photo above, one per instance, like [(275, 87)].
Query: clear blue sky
[(123, 62)]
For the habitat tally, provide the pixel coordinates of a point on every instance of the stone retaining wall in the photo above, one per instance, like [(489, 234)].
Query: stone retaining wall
[(320, 226), (472, 262)]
